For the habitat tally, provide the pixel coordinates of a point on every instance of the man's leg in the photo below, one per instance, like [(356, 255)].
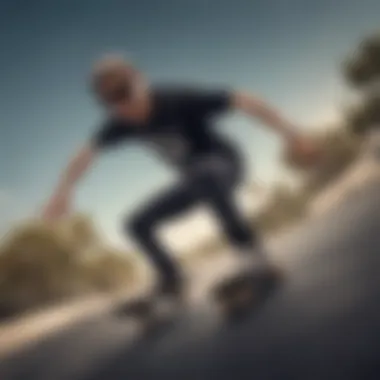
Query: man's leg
[(215, 180), (144, 224), (210, 182)]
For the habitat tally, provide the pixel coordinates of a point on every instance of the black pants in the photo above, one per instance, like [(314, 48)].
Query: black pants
[(210, 180)]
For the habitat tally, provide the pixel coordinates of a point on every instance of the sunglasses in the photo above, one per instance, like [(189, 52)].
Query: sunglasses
[(120, 93)]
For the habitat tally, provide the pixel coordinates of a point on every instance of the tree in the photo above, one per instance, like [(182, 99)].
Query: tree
[(362, 69), (42, 264), (365, 116)]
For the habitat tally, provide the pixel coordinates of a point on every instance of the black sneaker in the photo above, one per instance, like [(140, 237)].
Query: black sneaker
[(168, 299)]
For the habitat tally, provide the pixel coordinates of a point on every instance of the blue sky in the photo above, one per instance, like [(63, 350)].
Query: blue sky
[(287, 51)]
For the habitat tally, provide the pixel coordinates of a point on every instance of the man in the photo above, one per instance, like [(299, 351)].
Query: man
[(176, 121)]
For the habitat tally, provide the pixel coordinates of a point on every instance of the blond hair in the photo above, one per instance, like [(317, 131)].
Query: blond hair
[(110, 67)]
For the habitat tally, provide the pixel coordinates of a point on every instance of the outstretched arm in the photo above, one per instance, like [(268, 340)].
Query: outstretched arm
[(257, 108), (297, 144), (206, 102), (59, 203), (109, 135)]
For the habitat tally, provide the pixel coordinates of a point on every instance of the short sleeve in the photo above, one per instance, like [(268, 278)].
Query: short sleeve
[(111, 134), (207, 102)]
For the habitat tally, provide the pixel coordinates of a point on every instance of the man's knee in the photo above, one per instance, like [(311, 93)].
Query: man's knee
[(207, 186)]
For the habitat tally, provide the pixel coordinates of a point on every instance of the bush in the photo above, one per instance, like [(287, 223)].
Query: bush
[(43, 264), (371, 48), (359, 70), (365, 116), (363, 67)]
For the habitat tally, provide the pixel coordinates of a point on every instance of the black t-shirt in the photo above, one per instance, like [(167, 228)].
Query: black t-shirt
[(179, 128)]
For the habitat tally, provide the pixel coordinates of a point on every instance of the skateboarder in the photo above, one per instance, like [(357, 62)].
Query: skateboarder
[(177, 122)]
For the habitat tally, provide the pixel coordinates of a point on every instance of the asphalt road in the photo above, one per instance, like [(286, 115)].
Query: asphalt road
[(324, 324)]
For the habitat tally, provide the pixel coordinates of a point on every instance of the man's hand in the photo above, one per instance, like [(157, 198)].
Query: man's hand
[(59, 204), (299, 149), (302, 151)]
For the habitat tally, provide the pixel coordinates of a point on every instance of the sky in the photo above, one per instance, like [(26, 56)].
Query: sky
[(289, 52)]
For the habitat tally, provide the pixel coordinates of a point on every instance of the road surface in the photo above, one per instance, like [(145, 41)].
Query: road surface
[(324, 324)]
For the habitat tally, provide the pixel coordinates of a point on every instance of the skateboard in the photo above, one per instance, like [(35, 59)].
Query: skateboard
[(245, 292), (235, 297)]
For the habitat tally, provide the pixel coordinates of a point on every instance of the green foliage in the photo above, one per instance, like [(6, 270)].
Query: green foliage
[(363, 67), (365, 116), (362, 71), (43, 264)]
